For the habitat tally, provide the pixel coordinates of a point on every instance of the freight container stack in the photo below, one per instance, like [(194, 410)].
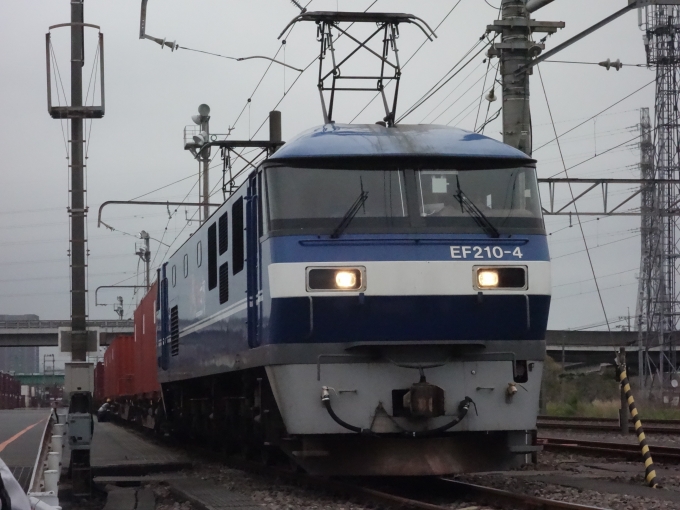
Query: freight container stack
[(130, 370), (118, 369)]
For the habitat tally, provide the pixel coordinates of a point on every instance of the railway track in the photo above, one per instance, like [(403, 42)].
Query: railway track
[(406, 494), (400, 494), (608, 449), (606, 424)]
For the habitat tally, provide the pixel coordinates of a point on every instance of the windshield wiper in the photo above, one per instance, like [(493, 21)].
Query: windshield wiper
[(469, 207), (351, 213)]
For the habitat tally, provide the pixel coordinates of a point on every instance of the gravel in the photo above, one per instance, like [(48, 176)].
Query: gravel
[(266, 491), (570, 495)]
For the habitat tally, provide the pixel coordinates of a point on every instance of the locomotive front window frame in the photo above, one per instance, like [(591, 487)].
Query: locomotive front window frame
[(509, 197)]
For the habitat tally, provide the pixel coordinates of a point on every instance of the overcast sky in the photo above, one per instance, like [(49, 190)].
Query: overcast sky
[(151, 94)]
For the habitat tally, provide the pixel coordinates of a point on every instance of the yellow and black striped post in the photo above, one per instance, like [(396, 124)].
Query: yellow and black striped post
[(650, 474)]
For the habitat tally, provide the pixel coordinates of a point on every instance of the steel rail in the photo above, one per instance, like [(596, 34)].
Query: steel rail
[(504, 497), (590, 419), (605, 448), (603, 427), (454, 487), (368, 495)]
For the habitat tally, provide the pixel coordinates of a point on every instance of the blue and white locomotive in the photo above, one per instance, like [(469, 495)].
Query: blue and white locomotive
[(372, 301)]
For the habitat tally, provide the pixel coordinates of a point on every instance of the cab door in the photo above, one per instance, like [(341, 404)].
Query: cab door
[(164, 322), (253, 268)]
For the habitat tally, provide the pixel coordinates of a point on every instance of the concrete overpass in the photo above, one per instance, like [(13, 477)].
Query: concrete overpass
[(594, 347), (30, 333), (575, 346)]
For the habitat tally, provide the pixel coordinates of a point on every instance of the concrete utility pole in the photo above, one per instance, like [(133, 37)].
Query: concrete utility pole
[(78, 384), (516, 51), (77, 210)]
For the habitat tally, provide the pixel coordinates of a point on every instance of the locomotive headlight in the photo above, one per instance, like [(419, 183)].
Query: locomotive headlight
[(500, 278), (487, 279), (336, 278), (345, 280)]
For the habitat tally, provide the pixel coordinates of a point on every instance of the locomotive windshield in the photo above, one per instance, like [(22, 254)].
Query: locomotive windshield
[(508, 198), (313, 198), (401, 201)]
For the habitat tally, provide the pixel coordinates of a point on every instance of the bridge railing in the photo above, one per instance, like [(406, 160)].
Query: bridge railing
[(46, 324)]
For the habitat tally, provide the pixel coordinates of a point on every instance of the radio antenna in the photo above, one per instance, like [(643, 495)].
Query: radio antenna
[(297, 4)]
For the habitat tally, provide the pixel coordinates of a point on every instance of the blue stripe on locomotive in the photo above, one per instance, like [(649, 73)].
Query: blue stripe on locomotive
[(397, 247), (211, 334)]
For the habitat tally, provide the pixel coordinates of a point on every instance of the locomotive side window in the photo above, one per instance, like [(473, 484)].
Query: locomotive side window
[(224, 283), (212, 256), (507, 198), (174, 331), (312, 198), (237, 247), (224, 233)]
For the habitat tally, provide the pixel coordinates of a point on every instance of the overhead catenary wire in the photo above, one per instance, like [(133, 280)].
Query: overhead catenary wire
[(571, 191), (408, 60), (598, 291), (444, 80), (588, 63), (594, 247), (483, 77), (286, 92), (240, 59), (611, 149), (557, 137), (590, 279)]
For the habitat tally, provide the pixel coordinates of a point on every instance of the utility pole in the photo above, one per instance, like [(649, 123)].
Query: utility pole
[(144, 253), (516, 51), (77, 209), (78, 381), (199, 137)]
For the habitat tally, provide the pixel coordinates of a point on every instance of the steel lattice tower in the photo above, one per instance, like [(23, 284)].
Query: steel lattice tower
[(658, 305)]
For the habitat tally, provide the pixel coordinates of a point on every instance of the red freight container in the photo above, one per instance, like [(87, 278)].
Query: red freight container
[(145, 357), (119, 367), (99, 390)]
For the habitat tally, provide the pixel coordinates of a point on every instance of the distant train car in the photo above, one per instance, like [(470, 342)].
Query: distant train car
[(372, 301), (10, 392), (130, 368)]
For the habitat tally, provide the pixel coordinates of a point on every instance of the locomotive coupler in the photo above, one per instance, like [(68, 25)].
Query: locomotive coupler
[(424, 400)]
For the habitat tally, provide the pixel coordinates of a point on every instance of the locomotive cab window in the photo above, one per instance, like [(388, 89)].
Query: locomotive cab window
[(320, 199), (507, 198)]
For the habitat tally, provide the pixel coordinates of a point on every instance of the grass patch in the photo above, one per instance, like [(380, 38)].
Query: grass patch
[(595, 395)]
